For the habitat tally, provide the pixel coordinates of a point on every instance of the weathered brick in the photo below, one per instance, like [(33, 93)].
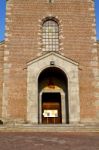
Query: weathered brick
[(24, 32)]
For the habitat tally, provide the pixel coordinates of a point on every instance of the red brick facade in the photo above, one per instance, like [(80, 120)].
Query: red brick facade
[(98, 48), (23, 43), (1, 74)]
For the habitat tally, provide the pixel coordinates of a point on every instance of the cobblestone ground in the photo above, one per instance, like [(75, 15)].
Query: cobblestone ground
[(49, 141)]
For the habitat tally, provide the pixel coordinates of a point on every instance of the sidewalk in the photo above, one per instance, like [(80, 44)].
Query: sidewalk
[(49, 141)]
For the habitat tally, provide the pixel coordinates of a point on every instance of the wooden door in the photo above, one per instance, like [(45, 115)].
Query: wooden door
[(51, 110)]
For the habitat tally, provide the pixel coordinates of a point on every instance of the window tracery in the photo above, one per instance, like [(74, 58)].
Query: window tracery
[(50, 35)]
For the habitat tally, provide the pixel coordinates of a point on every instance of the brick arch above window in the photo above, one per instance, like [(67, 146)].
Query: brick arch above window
[(50, 35)]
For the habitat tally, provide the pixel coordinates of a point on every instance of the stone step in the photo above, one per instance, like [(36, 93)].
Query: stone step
[(49, 128)]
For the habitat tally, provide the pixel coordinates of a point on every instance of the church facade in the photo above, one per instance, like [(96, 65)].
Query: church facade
[(49, 63)]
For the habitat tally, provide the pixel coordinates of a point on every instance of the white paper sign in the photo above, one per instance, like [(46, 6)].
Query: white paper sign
[(50, 113)]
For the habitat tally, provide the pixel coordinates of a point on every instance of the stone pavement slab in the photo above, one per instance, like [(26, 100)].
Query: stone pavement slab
[(49, 141)]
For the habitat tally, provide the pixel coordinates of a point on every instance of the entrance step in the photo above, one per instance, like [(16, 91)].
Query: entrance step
[(49, 128)]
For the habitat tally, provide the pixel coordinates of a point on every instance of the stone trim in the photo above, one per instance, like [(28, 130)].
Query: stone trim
[(40, 22), (54, 54), (94, 62), (6, 67), (62, 104), (71, 71)]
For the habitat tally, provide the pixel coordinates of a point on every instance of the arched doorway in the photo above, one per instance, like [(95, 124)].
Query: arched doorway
[(60, 75), (53, 96)]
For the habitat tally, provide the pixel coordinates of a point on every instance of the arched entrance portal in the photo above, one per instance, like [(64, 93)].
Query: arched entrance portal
[(53, 96), (53, 79)]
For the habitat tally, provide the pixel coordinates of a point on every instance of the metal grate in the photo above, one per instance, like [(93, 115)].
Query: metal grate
[(50, 39)]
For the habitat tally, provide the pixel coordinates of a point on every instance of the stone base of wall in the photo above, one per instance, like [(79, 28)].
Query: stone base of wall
[(49, 128)]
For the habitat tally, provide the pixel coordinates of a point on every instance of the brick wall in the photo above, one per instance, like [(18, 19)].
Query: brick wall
[(98, 48), (23, 43), (1, 74)]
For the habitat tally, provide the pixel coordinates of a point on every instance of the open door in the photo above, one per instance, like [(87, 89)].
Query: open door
[(51, 108)]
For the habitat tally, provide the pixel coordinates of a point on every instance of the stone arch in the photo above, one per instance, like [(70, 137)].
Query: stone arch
[(53, 80), (70, 69)]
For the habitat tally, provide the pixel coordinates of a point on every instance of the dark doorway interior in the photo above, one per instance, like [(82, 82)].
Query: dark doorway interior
[(51, 78), (51, 108)]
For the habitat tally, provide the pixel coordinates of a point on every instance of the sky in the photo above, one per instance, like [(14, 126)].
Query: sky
[(2, 18), (97, 17)]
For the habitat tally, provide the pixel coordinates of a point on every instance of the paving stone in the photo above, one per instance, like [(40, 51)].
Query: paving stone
[(49, 141)]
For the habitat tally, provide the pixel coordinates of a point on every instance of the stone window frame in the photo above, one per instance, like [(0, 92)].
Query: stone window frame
[(56, 21), (61, 34)]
